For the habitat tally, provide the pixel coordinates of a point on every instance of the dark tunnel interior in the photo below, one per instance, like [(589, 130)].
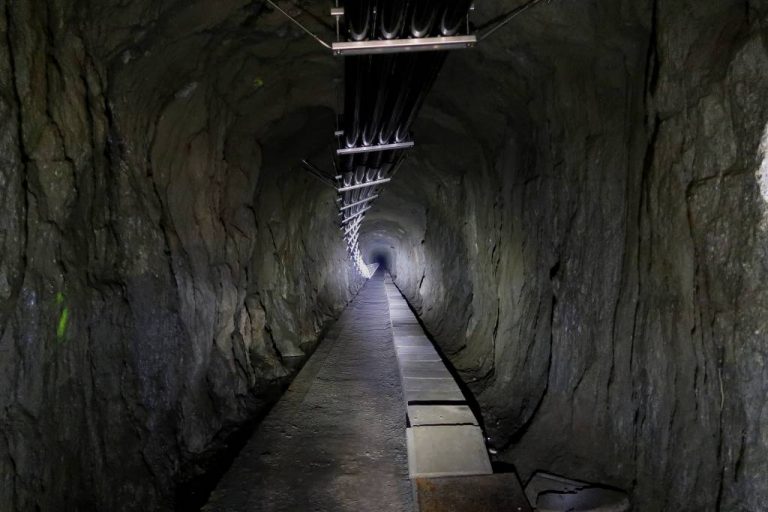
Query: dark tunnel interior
[(381, 258), (572, 215)]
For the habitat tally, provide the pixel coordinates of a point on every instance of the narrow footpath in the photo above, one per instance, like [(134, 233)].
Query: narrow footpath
[(336, 440)]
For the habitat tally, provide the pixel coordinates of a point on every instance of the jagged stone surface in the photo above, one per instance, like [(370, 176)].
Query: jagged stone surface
[(162, 260), (582, 227), (589, 244)]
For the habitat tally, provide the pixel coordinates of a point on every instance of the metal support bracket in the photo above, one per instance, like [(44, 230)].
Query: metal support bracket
[(298, 24), (423, 44), (375, 148), (351, 228), (364, 185), (318, 174), (514, 13), (358, 214), (358, 203)]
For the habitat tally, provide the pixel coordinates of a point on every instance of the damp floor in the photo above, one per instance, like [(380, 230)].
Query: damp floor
[(336, 440)]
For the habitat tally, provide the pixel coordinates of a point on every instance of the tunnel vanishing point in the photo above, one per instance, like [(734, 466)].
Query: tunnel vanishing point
[(384, 255)]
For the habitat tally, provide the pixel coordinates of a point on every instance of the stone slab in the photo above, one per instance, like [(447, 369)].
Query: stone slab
[(417, 348), (431, 370), (427, 384), (399, 324), (484, 493), (433, 395), (408, 330), (418, 356), (415, 354), (418, 352), (404, 321), (412, 341), (425, 372), (422, 415), (447, 450)]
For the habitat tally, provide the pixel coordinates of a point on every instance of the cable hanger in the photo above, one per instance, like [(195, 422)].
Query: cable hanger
[(406, 45)]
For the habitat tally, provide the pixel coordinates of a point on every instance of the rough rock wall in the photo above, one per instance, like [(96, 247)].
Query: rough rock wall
[(162, 263), (593, 259)]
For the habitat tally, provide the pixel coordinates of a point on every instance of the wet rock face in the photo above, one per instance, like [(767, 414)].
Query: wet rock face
[(582, 228), (162, 260)]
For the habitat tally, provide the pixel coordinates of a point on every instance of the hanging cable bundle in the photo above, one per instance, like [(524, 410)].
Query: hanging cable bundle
[(394, 50), (383, 95)]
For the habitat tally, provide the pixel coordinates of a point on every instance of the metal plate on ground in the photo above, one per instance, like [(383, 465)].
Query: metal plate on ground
[(485, 493), (447, 450), (422, 415)]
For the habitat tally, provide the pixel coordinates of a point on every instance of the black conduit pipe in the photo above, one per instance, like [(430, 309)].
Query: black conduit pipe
[(384, 93), (454, 16), (358, 19), (432, 64), (391, 18)]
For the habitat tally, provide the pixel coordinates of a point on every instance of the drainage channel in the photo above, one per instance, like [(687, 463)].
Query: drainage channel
[(448, 462)]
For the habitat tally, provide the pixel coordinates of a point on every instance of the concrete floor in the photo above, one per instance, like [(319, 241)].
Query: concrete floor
[(336, 440)]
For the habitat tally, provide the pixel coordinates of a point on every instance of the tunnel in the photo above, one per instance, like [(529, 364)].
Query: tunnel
[(570, 225)]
